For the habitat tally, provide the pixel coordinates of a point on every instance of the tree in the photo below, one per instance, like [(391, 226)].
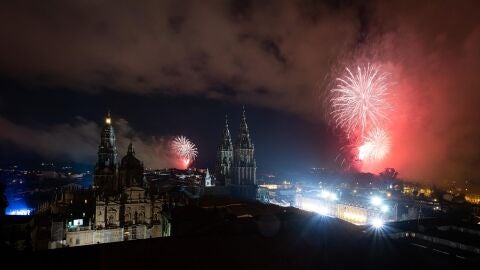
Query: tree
[(389, 174)]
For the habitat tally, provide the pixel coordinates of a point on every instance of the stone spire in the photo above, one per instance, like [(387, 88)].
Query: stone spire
[(243, 139), (208, 179), (107, 151), (130, 149), (227, 139), (106, 167), (224, 161), (244, 165)]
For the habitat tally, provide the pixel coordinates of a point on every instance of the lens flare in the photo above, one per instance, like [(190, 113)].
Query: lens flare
[(184, 150), (377, 223)]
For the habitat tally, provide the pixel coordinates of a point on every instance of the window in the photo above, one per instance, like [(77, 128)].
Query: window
[(77, 241)]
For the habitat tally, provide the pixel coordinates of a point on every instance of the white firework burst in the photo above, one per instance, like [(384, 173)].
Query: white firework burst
[(359, 102), (184, 149)]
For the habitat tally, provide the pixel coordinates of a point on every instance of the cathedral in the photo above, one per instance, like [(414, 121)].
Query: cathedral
[(124, 207), (122, 199), (236, 166)]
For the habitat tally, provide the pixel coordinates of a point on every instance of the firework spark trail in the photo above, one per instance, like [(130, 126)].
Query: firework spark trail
[(359, 100), (376, 145), (184, 149)]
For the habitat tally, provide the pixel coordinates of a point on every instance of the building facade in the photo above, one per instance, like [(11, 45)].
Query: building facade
[(244, 164), (106, 169), (122, 199), (224, 164), (236, 165), (124, 208)]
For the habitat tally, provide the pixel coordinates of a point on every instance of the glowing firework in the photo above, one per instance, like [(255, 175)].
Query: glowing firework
[(359, 100), (375, 147), (184, 149)]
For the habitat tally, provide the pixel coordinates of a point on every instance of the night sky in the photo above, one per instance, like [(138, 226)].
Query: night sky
[(66, 126), (166, 68)]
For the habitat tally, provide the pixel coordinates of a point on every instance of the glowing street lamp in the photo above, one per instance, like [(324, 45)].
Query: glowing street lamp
[(328, 195), (325, 194), (376, 201)]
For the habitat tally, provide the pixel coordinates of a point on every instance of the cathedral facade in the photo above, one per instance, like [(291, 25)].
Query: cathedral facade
[(236, 165), (122, 199), (124, 206)]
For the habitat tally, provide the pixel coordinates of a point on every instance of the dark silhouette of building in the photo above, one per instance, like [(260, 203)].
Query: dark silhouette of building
[(244, 164), (224, 165), (216, 233), (131, 170), (236, 167)]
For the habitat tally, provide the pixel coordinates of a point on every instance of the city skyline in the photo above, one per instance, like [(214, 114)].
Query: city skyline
[(65, 65), (250, 134), (191, 121)]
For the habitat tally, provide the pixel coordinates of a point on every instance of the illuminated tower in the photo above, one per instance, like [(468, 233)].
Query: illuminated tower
[(106, 167), (208, 179), (244, 165), (223, 168)]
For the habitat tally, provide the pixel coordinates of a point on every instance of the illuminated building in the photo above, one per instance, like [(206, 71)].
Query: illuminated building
[(279, 194), (269, 186), (328, 203), (427, 192), (123, 210), (106, 168), (354, 214), (473, 198), (415, 190), (208, 179)]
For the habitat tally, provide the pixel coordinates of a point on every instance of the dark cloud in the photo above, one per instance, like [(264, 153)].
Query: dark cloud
[(151, 150), (55, 141), (79, 141), (276, 54), (179, 47)]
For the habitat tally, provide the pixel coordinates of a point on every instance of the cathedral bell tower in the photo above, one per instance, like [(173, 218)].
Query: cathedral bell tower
[(106, 167), (244, 164), (223, 168)]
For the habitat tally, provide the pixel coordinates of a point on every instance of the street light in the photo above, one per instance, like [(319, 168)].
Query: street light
[(376, 201), (377, 223)]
